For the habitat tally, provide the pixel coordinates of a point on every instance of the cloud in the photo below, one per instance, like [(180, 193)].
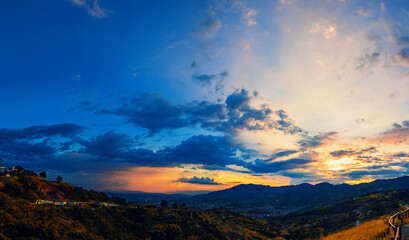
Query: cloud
[(197, 180), (343, 153), (117, 150), (283, 154), (206, 29), (202, 149), (154, 113), (398, 134), (266, 166), (317, 140), (92, 7), (382, 173), (403, 56), (401, 155), (327, 31), (205, 78), (368, 61), (35, 142), (110, 144), (40, 131), (237, 99), (363, 13)]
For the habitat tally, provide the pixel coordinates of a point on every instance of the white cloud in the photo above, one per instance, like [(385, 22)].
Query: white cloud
[(364, 13), (92, 7)]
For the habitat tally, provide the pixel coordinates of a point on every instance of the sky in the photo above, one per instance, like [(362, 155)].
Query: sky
[(191, 96)]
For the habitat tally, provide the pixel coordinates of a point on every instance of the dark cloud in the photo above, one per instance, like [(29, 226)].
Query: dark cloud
[(205, 78), (197, 180), (58, 130), (110, 144), (368, 61), (283, 153), (403, 56), (380, 173), (224, 74), (342, 153), (208, 151), (33, 143), (282, 114), (317, 140), (266, 166), (238, 99), (403, 40), (154, 113), (201, 149), (296, 175), (401, 155), (398, 134)]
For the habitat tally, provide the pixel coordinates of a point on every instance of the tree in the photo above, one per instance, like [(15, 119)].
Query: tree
[(19, 168), (163, 204), (59, 179), (43, 174)]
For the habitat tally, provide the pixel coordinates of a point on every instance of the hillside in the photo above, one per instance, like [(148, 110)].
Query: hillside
[(322, 221), (21, 219), (375, 229), (304, 195)]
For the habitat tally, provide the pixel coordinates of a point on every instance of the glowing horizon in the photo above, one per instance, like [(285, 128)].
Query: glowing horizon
[(202, 96)]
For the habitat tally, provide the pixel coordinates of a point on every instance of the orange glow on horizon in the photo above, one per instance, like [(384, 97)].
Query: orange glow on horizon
[(165, 179)]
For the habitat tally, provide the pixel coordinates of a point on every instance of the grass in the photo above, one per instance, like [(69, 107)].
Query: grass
[(372, 230)]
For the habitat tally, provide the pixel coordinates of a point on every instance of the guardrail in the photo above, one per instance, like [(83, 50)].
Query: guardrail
[(393, 228)]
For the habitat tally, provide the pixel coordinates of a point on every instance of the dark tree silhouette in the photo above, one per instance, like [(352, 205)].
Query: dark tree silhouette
[(19, 168), (59, 179), (163, 204), (43, 174)]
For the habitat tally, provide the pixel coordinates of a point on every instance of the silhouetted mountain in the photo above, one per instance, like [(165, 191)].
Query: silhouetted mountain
[(303, 195)]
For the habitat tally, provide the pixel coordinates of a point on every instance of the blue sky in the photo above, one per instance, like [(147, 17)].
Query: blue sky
[(202, 95)]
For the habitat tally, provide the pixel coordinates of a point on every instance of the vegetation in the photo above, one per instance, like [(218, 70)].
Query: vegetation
[(59, 179), (21, 219), (320, 222), (375, 229)]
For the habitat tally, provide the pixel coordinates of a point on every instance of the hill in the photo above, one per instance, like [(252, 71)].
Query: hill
[(321, 221), (304, 195), (21, 219), (374, 229)]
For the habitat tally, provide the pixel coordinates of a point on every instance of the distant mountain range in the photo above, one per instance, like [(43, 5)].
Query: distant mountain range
[(303, 195)]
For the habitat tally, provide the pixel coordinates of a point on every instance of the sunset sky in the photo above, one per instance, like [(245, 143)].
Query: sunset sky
[(184, 96)]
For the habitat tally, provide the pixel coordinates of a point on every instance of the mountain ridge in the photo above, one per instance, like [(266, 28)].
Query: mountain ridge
[(320, 194)]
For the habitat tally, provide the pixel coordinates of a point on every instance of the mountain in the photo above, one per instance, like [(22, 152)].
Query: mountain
[(22, 218), (304, 195)]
